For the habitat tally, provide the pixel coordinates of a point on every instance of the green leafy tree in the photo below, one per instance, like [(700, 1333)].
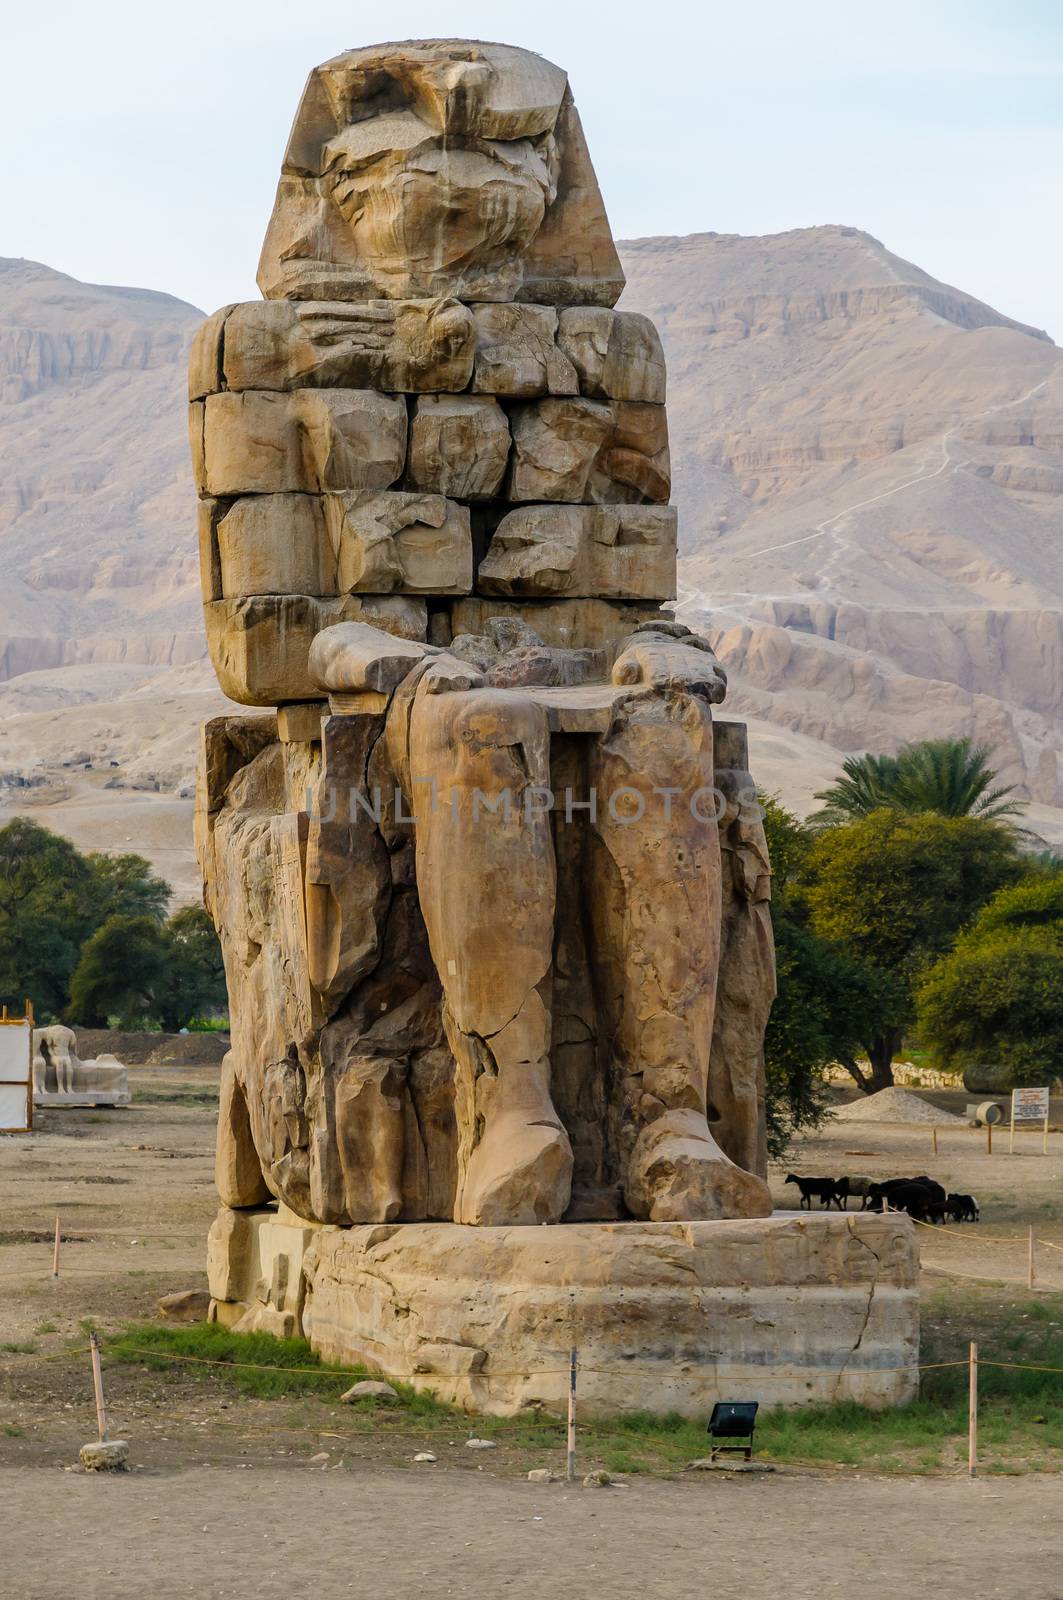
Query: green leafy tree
[(47, 911), (996, 999), (194, 981), (126, 886), (824, 996), (892, 891), (118, 973), (52, 900), (137, 971), (950, 776)]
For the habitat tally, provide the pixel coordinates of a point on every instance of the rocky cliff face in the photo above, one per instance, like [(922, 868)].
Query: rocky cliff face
[(869, 466), (101, 631)]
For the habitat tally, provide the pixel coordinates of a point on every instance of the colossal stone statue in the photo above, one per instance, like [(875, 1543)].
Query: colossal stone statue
[(479, 934), (491, 890)]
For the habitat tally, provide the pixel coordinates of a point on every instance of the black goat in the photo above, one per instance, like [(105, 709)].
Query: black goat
[(922, 1198), (825, 1190), (962, 1208)]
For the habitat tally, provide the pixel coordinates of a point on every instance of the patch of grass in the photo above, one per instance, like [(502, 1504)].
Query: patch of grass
[(1020, 1414), (45, 1327), (177, 1097), (13, 1431), (13, 1347), (257, 1363)]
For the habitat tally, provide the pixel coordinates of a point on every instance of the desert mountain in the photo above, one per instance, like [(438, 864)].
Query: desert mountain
[(102, 671), (868, 466)]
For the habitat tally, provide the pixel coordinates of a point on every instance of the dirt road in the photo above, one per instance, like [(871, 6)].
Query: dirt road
[(223, 1500), (267, 1536)]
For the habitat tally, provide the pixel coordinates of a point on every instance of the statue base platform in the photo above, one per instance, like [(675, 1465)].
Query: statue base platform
[(46, 1100), (788, 1310)]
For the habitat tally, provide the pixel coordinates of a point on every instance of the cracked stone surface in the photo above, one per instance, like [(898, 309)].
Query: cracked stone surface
[(666, 1316)]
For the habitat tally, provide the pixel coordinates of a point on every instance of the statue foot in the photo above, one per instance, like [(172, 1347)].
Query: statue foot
[(520, 1172), (678, 1173)]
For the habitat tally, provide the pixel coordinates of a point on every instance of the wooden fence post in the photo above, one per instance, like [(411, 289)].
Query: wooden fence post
[(570, 1466), (97, 1384), (1029, 1261), (972, 1413), (55, 1251)]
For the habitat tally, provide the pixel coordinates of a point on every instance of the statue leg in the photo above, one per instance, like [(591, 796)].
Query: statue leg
[(486, 882), (656, 919)]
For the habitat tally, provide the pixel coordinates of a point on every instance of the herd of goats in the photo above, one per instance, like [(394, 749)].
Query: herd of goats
[(922, 1198)]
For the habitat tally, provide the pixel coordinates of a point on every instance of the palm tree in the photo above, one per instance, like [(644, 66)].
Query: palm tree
[(950, 776), (870, 782)]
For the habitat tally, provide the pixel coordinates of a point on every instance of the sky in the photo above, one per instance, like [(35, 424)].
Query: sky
[(142, 141)]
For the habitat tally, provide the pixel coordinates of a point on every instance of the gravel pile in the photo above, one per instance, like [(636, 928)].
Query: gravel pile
[(894, 1105)]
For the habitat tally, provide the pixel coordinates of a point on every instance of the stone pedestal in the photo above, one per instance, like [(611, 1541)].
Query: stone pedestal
[(787, 1310)]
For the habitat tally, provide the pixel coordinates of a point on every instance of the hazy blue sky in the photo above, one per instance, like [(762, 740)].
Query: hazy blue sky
[(142, 141)]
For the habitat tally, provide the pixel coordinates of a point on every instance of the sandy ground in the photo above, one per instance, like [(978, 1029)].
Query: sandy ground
[(134, 1191), (1013, 1190), (326, 1534)]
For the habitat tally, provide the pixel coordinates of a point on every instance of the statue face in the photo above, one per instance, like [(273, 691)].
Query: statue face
[(439, 168), (423, 207)]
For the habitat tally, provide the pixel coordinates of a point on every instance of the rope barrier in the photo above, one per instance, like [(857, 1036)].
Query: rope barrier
[(333, 1372), (988, 1277)]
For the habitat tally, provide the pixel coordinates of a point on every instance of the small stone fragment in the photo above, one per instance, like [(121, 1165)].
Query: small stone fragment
[(479, 1444), (187, 1305), (425, 1455), (369, 1389), (542, 1475), (598, 1480), (105, 1455), (319, 1460)]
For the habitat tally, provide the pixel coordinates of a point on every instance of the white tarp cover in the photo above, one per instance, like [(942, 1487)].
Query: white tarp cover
[(15, 1068)]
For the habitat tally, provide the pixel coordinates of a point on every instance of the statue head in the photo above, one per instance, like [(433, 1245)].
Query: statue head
[(439, 168)]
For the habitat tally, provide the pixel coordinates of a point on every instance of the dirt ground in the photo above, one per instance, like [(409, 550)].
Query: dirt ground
[(447, 1533), (134, 1192)]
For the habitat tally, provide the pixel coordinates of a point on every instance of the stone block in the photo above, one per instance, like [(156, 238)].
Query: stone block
[(459, 446), (353, 438), (399, 543), (517, 354), (791, 1309), (275, 544), (260, 645), (613, 552), (260, 442), (555, 446), (617, 354), (232, 1254), (395, 346), (300, 723), (592, 451), (251, 445), (205, 374), (225, 745), (565, 624), (634, 464), (208, 512)]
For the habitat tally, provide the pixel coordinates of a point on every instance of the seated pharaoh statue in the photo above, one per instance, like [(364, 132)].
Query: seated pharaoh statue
[(491, 884)]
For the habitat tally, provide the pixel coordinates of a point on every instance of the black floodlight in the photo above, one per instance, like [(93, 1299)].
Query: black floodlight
[(733, 1419)]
